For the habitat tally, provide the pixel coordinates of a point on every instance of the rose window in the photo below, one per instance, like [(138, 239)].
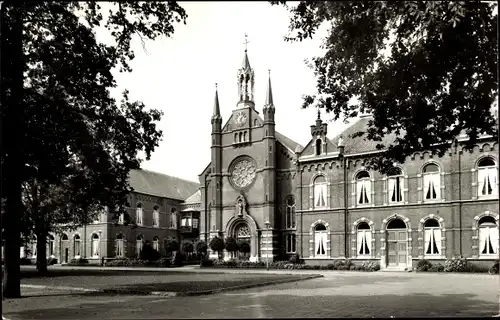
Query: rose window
[(243, 173)]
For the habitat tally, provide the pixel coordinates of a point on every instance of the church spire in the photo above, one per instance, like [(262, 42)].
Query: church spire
[(269, 93), (246, 81), (216, 113)]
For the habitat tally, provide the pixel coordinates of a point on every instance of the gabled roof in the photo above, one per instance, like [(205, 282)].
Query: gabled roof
[(194, 198), (161, 185), (360, 144), (287, 142)]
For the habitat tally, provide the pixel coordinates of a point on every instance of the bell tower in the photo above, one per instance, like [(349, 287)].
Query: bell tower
[(246, 82), (318, 133)]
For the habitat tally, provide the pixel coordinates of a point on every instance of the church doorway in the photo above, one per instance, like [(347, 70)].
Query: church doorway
[(397, 245), (243, 238)]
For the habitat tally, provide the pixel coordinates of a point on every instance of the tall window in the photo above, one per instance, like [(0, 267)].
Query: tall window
[(51, 245), (156, 244), (138, 245), (364, 239), (431, 182), (139, 214), (395, 186), (320, 192), (186, 221), (488, 236), (76, 246), (432, 238), (363, 188), (95, 245), (121, 218), (320, 236), (290, 243), (156, 216), (119, 245), (196, 223), (290, 213), (487, 178), (173, 218), (318, 146), (34, 247)]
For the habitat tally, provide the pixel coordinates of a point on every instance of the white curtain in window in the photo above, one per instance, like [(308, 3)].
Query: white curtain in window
[(320, 243), (488, 240), (95, 247), (119, 247), (364, 241), (320, 195), (395, 190), (139, 215), (156, 218), (121, 218), (156, 245), (487, 181), (432, 189), (34, 249), (363, 191), (432, 240), (483, 236), (139, 246), (494, 239), (76, 249)]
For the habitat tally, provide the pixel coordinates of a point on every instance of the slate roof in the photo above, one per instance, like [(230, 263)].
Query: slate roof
[(161, 185), (360, 144), (194, 198), (287, 142)]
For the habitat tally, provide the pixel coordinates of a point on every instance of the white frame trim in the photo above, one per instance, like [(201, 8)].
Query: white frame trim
[(475, 238), (421, 237), (312, 239), (383, 249), (354, 239)]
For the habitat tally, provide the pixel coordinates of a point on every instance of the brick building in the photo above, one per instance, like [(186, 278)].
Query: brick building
[(161, 206), (320, 202)]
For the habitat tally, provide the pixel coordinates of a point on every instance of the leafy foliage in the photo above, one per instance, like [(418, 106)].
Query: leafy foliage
[(231, 244), (148, 253), (217, 244), (187, 247), (68, 138), (201, 247), (171, 245), (425, 70)]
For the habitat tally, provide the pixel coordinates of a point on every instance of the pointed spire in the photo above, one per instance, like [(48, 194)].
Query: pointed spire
[(246, 63), (269, 92), (216, 113)]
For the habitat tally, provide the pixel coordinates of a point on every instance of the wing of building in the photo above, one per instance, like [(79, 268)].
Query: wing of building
[(317, 200)]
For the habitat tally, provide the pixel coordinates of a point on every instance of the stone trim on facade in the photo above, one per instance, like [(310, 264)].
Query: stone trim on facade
[(354, 244), (475, 232), (421, 237)]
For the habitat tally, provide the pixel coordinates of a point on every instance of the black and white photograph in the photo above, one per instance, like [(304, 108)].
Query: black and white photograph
[(238, 159)]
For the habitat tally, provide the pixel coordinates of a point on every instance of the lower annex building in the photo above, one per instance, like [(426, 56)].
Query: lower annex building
[(317, 200)]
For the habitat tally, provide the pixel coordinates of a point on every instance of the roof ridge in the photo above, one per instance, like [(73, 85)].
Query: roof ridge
[(167, 175)]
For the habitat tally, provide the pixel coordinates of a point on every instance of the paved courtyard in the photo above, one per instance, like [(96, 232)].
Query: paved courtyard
[(337, 294)]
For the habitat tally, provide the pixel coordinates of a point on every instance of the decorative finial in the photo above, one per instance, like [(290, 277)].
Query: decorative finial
[(216, 86), (246, 42), (269, 71), (319, 114)]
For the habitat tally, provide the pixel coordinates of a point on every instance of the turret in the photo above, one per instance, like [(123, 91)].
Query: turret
[(318, 132), (246, 82)]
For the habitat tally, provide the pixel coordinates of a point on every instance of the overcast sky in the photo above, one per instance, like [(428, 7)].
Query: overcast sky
[(177, 75)]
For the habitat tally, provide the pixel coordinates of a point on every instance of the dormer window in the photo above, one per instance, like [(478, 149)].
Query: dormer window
[(318, 146)]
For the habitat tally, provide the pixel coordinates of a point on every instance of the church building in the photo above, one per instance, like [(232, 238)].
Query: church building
[(320, 202)]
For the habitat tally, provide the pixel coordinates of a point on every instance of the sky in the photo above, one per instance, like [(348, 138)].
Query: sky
[(177, 75)]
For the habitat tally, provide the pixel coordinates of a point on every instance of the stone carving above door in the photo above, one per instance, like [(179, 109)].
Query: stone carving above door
[(241, 206)]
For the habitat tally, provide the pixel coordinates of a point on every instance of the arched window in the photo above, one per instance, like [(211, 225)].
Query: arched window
[(431, 182), (236, 137), (290, 212), (255, 122), (395, 186), (173, 218), (432, 238), (156, 216), (51, 245), (245, 136), (139, 244), (76, 246), (364, 239), (318, 146), (363, 188), (240, 137), (320, 192), (64, 237), (139, 214), (119, 245), (121, 218), (156, 244), (487, 177), (95, 245), (320, 237), (488, 236), (290, 243)]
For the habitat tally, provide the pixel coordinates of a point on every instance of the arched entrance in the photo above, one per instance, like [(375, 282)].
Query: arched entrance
[(243, 235), (397, 245)]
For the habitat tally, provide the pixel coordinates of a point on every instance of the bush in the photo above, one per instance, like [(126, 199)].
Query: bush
[(370, 266), (148, 253), (342, 264), (78, 262), (437, 268), (217, 245), (423, 265), (171, 245), (457, 265), (295, 258), (51, 261)]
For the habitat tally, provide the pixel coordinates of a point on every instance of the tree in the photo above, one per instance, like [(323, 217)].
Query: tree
[(244, 247), (148, 253), (201, 248), (171, 245), (231, 245), (425, 70), (217, 245), (58, 111), (187, 248)]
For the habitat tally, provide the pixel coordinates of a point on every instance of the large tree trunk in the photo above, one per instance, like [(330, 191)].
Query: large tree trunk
[(12, 78), (41, 252)]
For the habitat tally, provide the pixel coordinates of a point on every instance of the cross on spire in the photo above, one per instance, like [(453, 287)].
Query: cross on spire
[(246, 42)]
